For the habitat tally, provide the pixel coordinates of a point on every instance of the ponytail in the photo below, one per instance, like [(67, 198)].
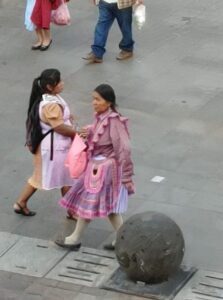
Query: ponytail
[(36, 94), (49, 77)]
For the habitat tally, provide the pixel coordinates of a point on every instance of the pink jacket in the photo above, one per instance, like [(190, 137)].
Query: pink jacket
[(109, 137)]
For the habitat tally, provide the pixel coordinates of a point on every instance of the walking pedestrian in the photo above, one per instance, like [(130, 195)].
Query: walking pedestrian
[(102, 190), (49, 136), (41, 17), (109, 10)]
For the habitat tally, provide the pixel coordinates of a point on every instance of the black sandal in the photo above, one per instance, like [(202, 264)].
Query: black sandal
[(21, 211)]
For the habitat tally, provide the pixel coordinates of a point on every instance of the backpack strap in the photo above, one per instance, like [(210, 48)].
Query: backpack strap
[(51, 131), (51, 144)]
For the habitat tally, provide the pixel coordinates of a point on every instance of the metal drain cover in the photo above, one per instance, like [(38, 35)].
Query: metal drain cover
[(204, 285), (88, 267), (7, 241), (32, 257)]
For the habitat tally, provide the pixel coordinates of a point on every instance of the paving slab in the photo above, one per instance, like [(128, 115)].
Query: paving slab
[(87, 267), (8, 240), (205, 285), (33, 257)]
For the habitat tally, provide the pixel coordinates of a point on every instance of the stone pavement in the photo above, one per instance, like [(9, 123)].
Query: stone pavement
[(14, 286), (172, 93)]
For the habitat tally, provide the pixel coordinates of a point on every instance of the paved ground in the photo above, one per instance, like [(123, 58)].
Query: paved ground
[(172, 93)]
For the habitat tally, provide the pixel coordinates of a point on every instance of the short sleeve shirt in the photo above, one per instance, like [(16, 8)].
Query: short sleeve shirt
[(52, 114)]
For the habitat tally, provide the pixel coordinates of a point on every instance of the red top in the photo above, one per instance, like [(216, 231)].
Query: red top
[(41, 14)]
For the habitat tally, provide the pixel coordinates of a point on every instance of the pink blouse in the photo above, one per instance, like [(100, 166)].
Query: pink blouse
[(109, 137)]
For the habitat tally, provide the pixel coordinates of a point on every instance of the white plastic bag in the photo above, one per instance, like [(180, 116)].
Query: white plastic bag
[(139, 15)]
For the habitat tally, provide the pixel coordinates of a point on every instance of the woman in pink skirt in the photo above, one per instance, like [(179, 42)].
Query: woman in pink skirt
[(102, 191), (49, 115), (41, 17)]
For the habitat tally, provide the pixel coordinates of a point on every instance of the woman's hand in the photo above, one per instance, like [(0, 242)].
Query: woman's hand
[(130, 187), (83, 132)]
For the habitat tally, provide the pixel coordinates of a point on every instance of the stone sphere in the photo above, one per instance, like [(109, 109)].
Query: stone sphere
[(149, 247)]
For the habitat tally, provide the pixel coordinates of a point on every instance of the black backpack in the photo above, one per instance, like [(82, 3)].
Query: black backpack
[(34, 134)]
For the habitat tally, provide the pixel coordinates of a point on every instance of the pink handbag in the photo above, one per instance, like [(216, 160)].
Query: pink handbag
[(61, 15), (76, 159)]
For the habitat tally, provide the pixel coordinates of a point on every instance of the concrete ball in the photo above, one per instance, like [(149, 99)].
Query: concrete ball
[(149, 247)]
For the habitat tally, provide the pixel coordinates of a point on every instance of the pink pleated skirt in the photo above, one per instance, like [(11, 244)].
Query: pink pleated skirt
[(98, 198)]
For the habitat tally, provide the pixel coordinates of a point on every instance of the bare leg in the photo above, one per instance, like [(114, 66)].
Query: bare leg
[(46, 37), (39, 36), (22, 200), (116, 221), (75, 237)]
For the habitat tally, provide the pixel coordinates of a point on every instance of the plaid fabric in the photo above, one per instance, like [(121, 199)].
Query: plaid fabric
[(122, 3), (125, 3)]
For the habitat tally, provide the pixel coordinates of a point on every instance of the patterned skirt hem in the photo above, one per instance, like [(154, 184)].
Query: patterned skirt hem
[(84, 214)]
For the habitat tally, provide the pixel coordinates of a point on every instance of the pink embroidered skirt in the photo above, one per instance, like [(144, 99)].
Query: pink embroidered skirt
[(98, 192)]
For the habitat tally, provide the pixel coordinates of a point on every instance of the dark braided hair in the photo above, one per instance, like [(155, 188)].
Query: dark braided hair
[(107, 93)]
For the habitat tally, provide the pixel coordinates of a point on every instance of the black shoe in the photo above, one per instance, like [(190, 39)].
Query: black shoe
[(74, 247), (109, 247), (44, 48), (21, 211), (36, 47)]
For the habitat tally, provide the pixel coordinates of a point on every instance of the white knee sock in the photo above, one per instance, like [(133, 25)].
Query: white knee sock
[(116, 221), (75, 237)]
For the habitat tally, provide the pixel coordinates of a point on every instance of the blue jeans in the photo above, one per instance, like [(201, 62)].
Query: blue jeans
[(108, 12)]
